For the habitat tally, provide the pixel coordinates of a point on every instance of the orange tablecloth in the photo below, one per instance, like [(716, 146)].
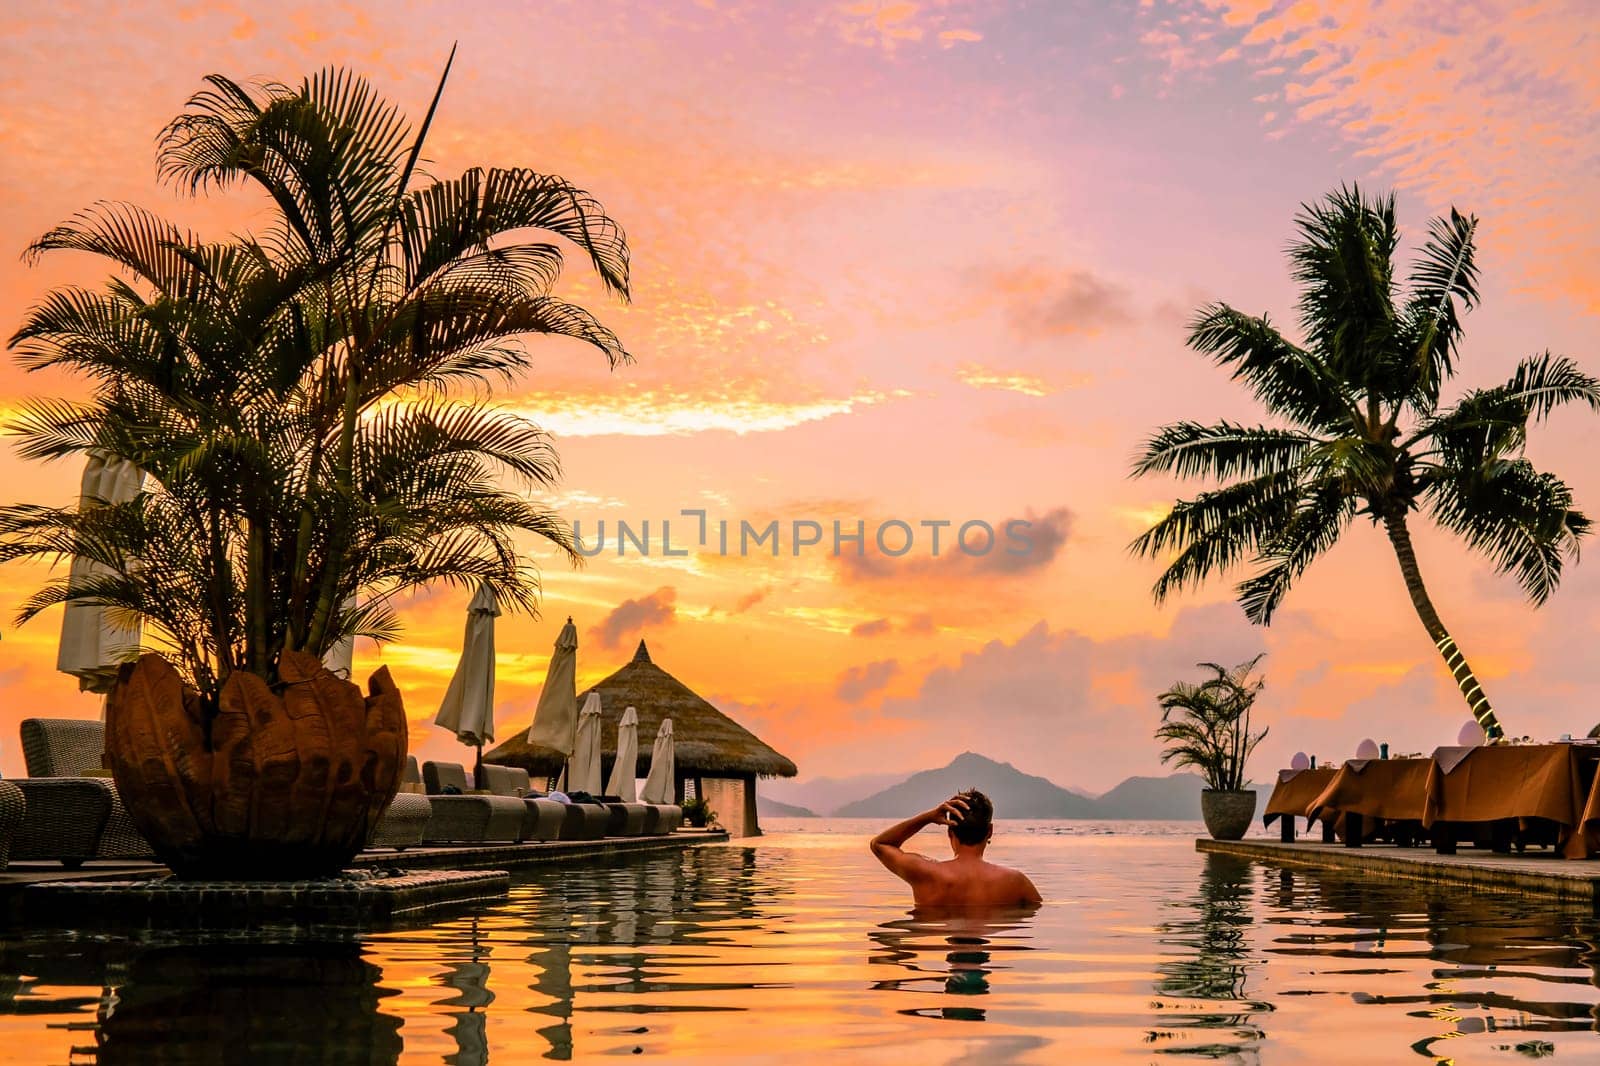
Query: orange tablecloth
[(1500, 782), (1590, 819), (1297, 788), (1393, 789)]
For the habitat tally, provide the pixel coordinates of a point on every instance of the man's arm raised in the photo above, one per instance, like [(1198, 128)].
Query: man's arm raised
[(909, 866)]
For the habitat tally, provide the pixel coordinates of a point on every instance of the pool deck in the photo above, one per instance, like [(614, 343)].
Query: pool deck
[(1539, 873), (21, 875)]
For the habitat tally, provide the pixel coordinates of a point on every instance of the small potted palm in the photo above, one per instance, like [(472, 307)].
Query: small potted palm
[(1206, 726)]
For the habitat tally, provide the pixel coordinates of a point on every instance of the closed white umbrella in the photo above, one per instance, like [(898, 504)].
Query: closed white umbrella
[(468, 707), (555, 720), (583, 772), (92, 646), (661, 786), (622, 784)]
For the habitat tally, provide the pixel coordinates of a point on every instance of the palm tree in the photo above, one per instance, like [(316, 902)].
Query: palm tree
[(308, 405), (1362, 430), (1206, 724)]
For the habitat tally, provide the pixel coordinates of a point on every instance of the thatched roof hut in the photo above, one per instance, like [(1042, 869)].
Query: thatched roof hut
[(708, 742)]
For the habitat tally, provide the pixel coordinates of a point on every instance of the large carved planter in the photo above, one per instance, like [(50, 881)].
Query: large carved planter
[(278, 785), (1227, 814)]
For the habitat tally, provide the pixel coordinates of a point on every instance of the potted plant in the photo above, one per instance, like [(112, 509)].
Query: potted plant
[(1206, 726), (307, 408), (698, 813)]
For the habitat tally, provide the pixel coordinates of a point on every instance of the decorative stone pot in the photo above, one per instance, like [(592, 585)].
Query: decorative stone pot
[(1228, 814), (277, 785)]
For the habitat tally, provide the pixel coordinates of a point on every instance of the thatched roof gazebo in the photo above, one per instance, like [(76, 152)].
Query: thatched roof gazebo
[(710, 745)]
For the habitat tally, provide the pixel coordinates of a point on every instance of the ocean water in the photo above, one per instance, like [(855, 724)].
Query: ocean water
[(797, 947)]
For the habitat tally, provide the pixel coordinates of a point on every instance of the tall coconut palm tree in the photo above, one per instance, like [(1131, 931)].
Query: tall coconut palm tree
[(1361, 429), (309, 403)]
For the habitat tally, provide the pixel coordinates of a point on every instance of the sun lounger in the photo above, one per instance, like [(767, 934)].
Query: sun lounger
[(584, 821), (75, 748), (64, 819), (542, 818), (662, 818), (465, 818), (404, 824), (12, 807), (626, 819)]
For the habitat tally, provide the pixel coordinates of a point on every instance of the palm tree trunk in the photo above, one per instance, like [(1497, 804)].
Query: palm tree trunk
[(1466, 680)]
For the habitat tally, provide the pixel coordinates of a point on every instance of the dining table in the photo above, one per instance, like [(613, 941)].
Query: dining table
[(1513, 784), (1366, 792), (1293, 794)]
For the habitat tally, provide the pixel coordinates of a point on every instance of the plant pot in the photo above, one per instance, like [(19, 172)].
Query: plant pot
[(276, 785), (1228, 814)]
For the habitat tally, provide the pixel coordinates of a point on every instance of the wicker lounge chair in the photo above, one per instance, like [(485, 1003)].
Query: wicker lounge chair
[(584, 821), (625, 819), (466, 818), (404, 824), (406, 820), (57, 748), (662, 818), (13, 805), (543, 817), (64, 820)]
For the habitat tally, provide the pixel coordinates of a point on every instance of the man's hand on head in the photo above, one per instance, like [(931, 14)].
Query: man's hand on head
[(949, 813)]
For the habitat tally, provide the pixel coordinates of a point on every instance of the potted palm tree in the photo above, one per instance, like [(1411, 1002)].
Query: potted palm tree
[(1363, 429), (1206, 726), (308, 408)]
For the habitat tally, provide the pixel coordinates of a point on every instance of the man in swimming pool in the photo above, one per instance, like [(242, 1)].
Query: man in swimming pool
[(965, 879)]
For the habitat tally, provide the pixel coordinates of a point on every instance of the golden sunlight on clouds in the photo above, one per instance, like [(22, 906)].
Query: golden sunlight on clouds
[(980, 377), (1141, 517), (653, 413)]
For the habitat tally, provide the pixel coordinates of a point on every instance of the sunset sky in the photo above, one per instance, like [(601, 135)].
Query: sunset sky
[(915, 261)]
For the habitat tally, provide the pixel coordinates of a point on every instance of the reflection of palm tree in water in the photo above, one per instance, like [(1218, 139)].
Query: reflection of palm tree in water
[(968, 944), (1215, 960)]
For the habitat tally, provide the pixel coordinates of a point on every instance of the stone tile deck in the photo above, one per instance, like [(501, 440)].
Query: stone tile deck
[(1539, 873), (362, 899), (138, 892)]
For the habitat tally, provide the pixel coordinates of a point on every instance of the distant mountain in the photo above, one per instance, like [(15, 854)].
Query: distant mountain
[(766, 807), (1157, 799), (826, 795), (1015, 794)]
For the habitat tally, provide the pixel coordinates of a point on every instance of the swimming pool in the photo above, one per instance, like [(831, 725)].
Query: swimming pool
[(799, 947)]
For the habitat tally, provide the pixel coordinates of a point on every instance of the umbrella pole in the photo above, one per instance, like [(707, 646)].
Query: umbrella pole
[(477, 769)]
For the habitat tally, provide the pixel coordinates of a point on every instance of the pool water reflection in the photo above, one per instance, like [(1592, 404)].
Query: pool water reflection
[(798, 946)]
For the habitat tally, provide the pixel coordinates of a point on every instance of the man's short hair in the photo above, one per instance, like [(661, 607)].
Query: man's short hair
[(977, 821)]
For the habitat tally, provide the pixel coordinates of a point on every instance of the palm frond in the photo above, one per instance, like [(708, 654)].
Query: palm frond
[(1287, 380), (1224, 451), (1521, 519), (1216, 530)]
